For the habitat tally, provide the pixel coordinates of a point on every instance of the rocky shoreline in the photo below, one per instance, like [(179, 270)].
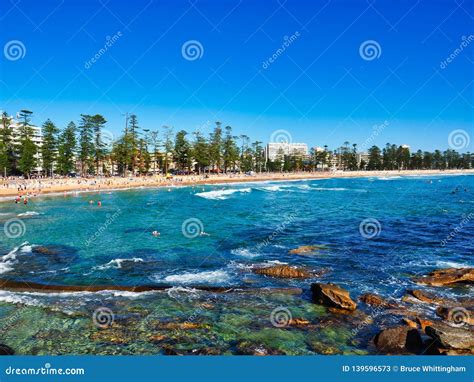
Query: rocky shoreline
[(451, 333)]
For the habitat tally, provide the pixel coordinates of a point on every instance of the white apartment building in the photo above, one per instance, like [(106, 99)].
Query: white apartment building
[(37, 138), (274, 149)]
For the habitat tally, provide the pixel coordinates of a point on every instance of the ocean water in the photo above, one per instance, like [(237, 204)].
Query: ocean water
[(373, 235)]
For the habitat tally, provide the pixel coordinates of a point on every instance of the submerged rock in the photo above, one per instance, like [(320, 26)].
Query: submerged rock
[(449, 276), (283, 271), (6, 350), (250, 348), (306, 249), (448, 337), (399, 340), (333, 296), (375, 300)]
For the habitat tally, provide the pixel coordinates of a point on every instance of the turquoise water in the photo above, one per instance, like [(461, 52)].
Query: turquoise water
[(243, 226)]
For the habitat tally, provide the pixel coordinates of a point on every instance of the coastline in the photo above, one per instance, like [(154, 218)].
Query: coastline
[(56, 187)]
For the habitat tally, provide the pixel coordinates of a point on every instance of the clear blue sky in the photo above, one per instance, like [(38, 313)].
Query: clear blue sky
[(319, 88)]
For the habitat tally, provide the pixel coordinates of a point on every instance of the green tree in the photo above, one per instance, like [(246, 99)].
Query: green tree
[(86, 144), (182, 150), (231, 151), (27, 149), (375, 159), (67, 149), (7, 154), (99, 147), (50, 146)]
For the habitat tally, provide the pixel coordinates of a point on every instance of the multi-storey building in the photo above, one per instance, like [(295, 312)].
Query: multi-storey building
[(274, 149)]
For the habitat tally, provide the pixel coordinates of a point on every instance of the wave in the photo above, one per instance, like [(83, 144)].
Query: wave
[(221, 194), (29, 213), (245, 252), (7, 261), (117, 263), (217, 277)]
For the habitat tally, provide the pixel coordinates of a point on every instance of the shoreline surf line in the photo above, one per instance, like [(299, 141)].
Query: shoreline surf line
[(25, 286), (158, 183)]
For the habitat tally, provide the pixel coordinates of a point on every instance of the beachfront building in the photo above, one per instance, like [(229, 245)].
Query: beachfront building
[(37, 138), (274, 150), (362, 157)]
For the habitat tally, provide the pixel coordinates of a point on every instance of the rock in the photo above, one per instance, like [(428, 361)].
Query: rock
[(423, 323), (399, 340), (333, 296), (181, 326), (426, 297), (448, 337), (283, 271), (6, 350), (410, 323), (306, 249), (249, 348), (449, 276), (375, 300), (298, 322), (456, 315), (43, 250)]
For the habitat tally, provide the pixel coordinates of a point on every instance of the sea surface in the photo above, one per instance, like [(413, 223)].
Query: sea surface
[(372, 235)]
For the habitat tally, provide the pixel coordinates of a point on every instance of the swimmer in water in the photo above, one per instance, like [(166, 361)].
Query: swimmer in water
[(155, 233), (99, 203)]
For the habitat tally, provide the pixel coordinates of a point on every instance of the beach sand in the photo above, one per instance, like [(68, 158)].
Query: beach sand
[(34, 187)]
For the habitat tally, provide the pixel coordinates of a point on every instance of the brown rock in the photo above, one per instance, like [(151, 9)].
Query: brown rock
[(298, 322), (426, 297), (306, 249), (283, 271), (410, 323), (181, 326), (399, 340), (448, 337), (449, 276), (423, 323), (332, 296), (375, 300)]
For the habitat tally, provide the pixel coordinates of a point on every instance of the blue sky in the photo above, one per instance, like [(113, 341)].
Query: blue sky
[(320, 88)]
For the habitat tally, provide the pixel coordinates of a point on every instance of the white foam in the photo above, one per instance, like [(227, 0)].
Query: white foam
[(117, 263), (7, 261), (330, 189), (245, 252), (29, 213), (200, 277), (221, 194)]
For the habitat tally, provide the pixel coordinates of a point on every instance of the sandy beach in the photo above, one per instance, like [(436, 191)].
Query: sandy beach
[(36, 187)]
